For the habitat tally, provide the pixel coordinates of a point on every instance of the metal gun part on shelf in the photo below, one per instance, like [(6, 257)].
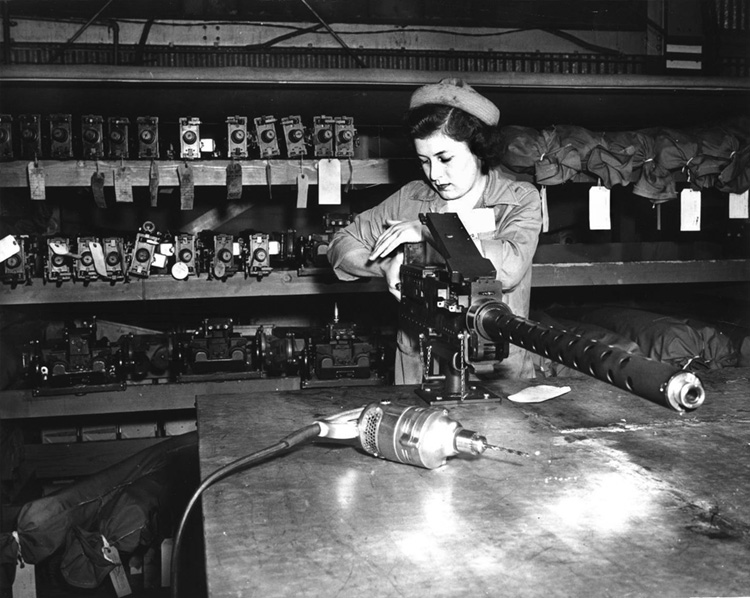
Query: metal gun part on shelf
[(451, 299)]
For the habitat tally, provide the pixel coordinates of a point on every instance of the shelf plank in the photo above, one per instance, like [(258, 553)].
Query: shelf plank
[(164, 287), (77, 173), (136, 398)]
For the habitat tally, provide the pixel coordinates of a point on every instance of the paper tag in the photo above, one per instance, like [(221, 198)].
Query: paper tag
[(329, 182), (37, 188), (159, 261), (117, 575), (166, 562), (538, 394), (166, 248), (599, 212), (59, 248), (545, 210), (8, 246), (97, 189), (123, 185), (690, 210), (480, 220), (303, 182), (187, 188), (738, 205), (24, 584), (97, 253), (153, 183), (234, 181)]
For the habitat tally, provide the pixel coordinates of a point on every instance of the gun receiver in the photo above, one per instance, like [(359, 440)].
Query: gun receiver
[(451, 300)]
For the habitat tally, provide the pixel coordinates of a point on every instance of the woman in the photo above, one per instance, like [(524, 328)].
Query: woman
[(454, 130)]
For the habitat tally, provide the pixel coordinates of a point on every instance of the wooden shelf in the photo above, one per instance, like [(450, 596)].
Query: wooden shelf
[(136, 398), (163, 287), (77, 173)]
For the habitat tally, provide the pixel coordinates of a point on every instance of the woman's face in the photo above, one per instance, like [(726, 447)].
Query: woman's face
[(449, 165)]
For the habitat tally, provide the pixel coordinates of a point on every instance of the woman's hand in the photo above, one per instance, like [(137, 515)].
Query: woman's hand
[(392, 273), (397, 233)]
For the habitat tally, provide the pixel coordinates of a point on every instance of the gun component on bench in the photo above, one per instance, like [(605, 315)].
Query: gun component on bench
[(454, 302)]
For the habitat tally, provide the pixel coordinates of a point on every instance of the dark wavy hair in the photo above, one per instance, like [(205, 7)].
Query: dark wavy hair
[(483, 140)]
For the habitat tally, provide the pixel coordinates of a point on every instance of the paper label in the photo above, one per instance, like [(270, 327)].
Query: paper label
[(8, 246), (738, 205), (153, 183), (97, 253), (234, 181), (303, 182), (123, 185), (329, 182), (117, 575), (59, 248), (187, 187), (166, 562), (159, 261), (236, 249), (599, 208), (24, 584), (37, 188), (97, 189), (538, 394), (690, 210), (476, 222), (545, 210), (166, 248)]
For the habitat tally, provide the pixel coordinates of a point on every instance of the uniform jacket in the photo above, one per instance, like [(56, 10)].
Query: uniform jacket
[(511, 247)]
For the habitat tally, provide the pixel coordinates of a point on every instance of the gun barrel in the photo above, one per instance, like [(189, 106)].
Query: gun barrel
[(656, 381)]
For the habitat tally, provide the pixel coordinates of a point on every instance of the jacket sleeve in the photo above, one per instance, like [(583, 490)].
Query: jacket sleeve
[(516, 238), (351, 246)]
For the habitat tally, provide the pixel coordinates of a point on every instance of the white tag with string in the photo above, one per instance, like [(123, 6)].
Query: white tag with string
[(117, 575), (738, 206), (599, 208), (303, 182), (8, 246), (97, 253), (59, 248), (37, 188), (24, 583), (690, 210), (538, 394), (545, 210), (329, 182)]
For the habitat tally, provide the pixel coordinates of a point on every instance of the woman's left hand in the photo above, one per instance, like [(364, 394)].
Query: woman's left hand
[(397, 233)]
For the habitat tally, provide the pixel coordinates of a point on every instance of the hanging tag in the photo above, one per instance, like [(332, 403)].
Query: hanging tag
[(36, 181), (234, 181), (159, 261), (599, 208), (478, 221), (690, 210), (545, 210), (123, 185), (117, 575), (59, 248), (187, 188), (738, 205), (303, 182), (97, 253), (166, 249), (8, 246), (24, 584), (153, 183), (166, 562), (269, 180), (329, 182), (97, 189)]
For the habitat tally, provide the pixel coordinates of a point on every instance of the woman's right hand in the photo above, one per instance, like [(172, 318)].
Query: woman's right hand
[(397, 233), (392, 273)]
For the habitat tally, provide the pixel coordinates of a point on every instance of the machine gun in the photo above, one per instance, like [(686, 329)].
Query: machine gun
[(451, 300)]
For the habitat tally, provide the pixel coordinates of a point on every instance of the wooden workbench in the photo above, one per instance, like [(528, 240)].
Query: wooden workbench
[(621, 497)]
